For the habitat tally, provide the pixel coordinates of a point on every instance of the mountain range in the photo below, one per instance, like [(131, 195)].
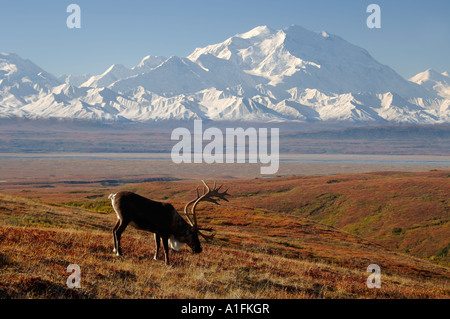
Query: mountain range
[(289, 75)]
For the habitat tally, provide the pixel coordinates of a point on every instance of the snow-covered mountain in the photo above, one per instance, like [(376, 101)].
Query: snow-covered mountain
[(21, 82), (296, 57), (434, 82), (262, 75)]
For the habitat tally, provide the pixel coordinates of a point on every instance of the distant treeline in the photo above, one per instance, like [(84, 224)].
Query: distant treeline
[(106, 182), (386, 132)]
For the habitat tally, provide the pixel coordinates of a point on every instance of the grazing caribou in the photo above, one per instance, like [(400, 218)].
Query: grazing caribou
[(162, 219)]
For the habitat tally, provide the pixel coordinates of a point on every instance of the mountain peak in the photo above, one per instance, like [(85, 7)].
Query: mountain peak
[(325, 34), (432, 72), (115, 67), (112, 74), (6, 54), (20, 70), (150, 61), (429, 75), (298, 31), (260, 31), (434, 81)]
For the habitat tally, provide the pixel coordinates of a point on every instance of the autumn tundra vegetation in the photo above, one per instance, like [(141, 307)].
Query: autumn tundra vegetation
[(281, 237)]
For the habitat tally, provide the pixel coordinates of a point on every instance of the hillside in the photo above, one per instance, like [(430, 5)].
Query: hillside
[(257, 252), (407, 212)]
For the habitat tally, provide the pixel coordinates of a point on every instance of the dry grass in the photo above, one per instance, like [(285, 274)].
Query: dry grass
[(256, 254)]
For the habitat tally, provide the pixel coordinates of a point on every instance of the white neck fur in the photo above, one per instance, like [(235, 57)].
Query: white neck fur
[(174, 243)]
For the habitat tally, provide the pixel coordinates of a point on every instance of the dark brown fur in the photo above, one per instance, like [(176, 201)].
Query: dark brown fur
[(159, 218)]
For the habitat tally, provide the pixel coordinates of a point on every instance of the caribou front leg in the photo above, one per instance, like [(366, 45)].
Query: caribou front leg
[(158, 243), (114, 236), (165, 241)]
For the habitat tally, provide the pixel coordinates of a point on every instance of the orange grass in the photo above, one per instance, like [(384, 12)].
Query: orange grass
[(257, 253)]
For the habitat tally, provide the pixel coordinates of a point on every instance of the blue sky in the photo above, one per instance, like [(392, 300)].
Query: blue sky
[(414, 35)]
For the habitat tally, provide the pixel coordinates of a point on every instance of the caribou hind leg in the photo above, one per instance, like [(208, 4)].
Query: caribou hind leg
[(118, 234)]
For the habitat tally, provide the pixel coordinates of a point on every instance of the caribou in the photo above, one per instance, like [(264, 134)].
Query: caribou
[(163, 220)]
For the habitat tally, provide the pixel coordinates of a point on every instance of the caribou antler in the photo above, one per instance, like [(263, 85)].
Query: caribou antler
[(208, 195)]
